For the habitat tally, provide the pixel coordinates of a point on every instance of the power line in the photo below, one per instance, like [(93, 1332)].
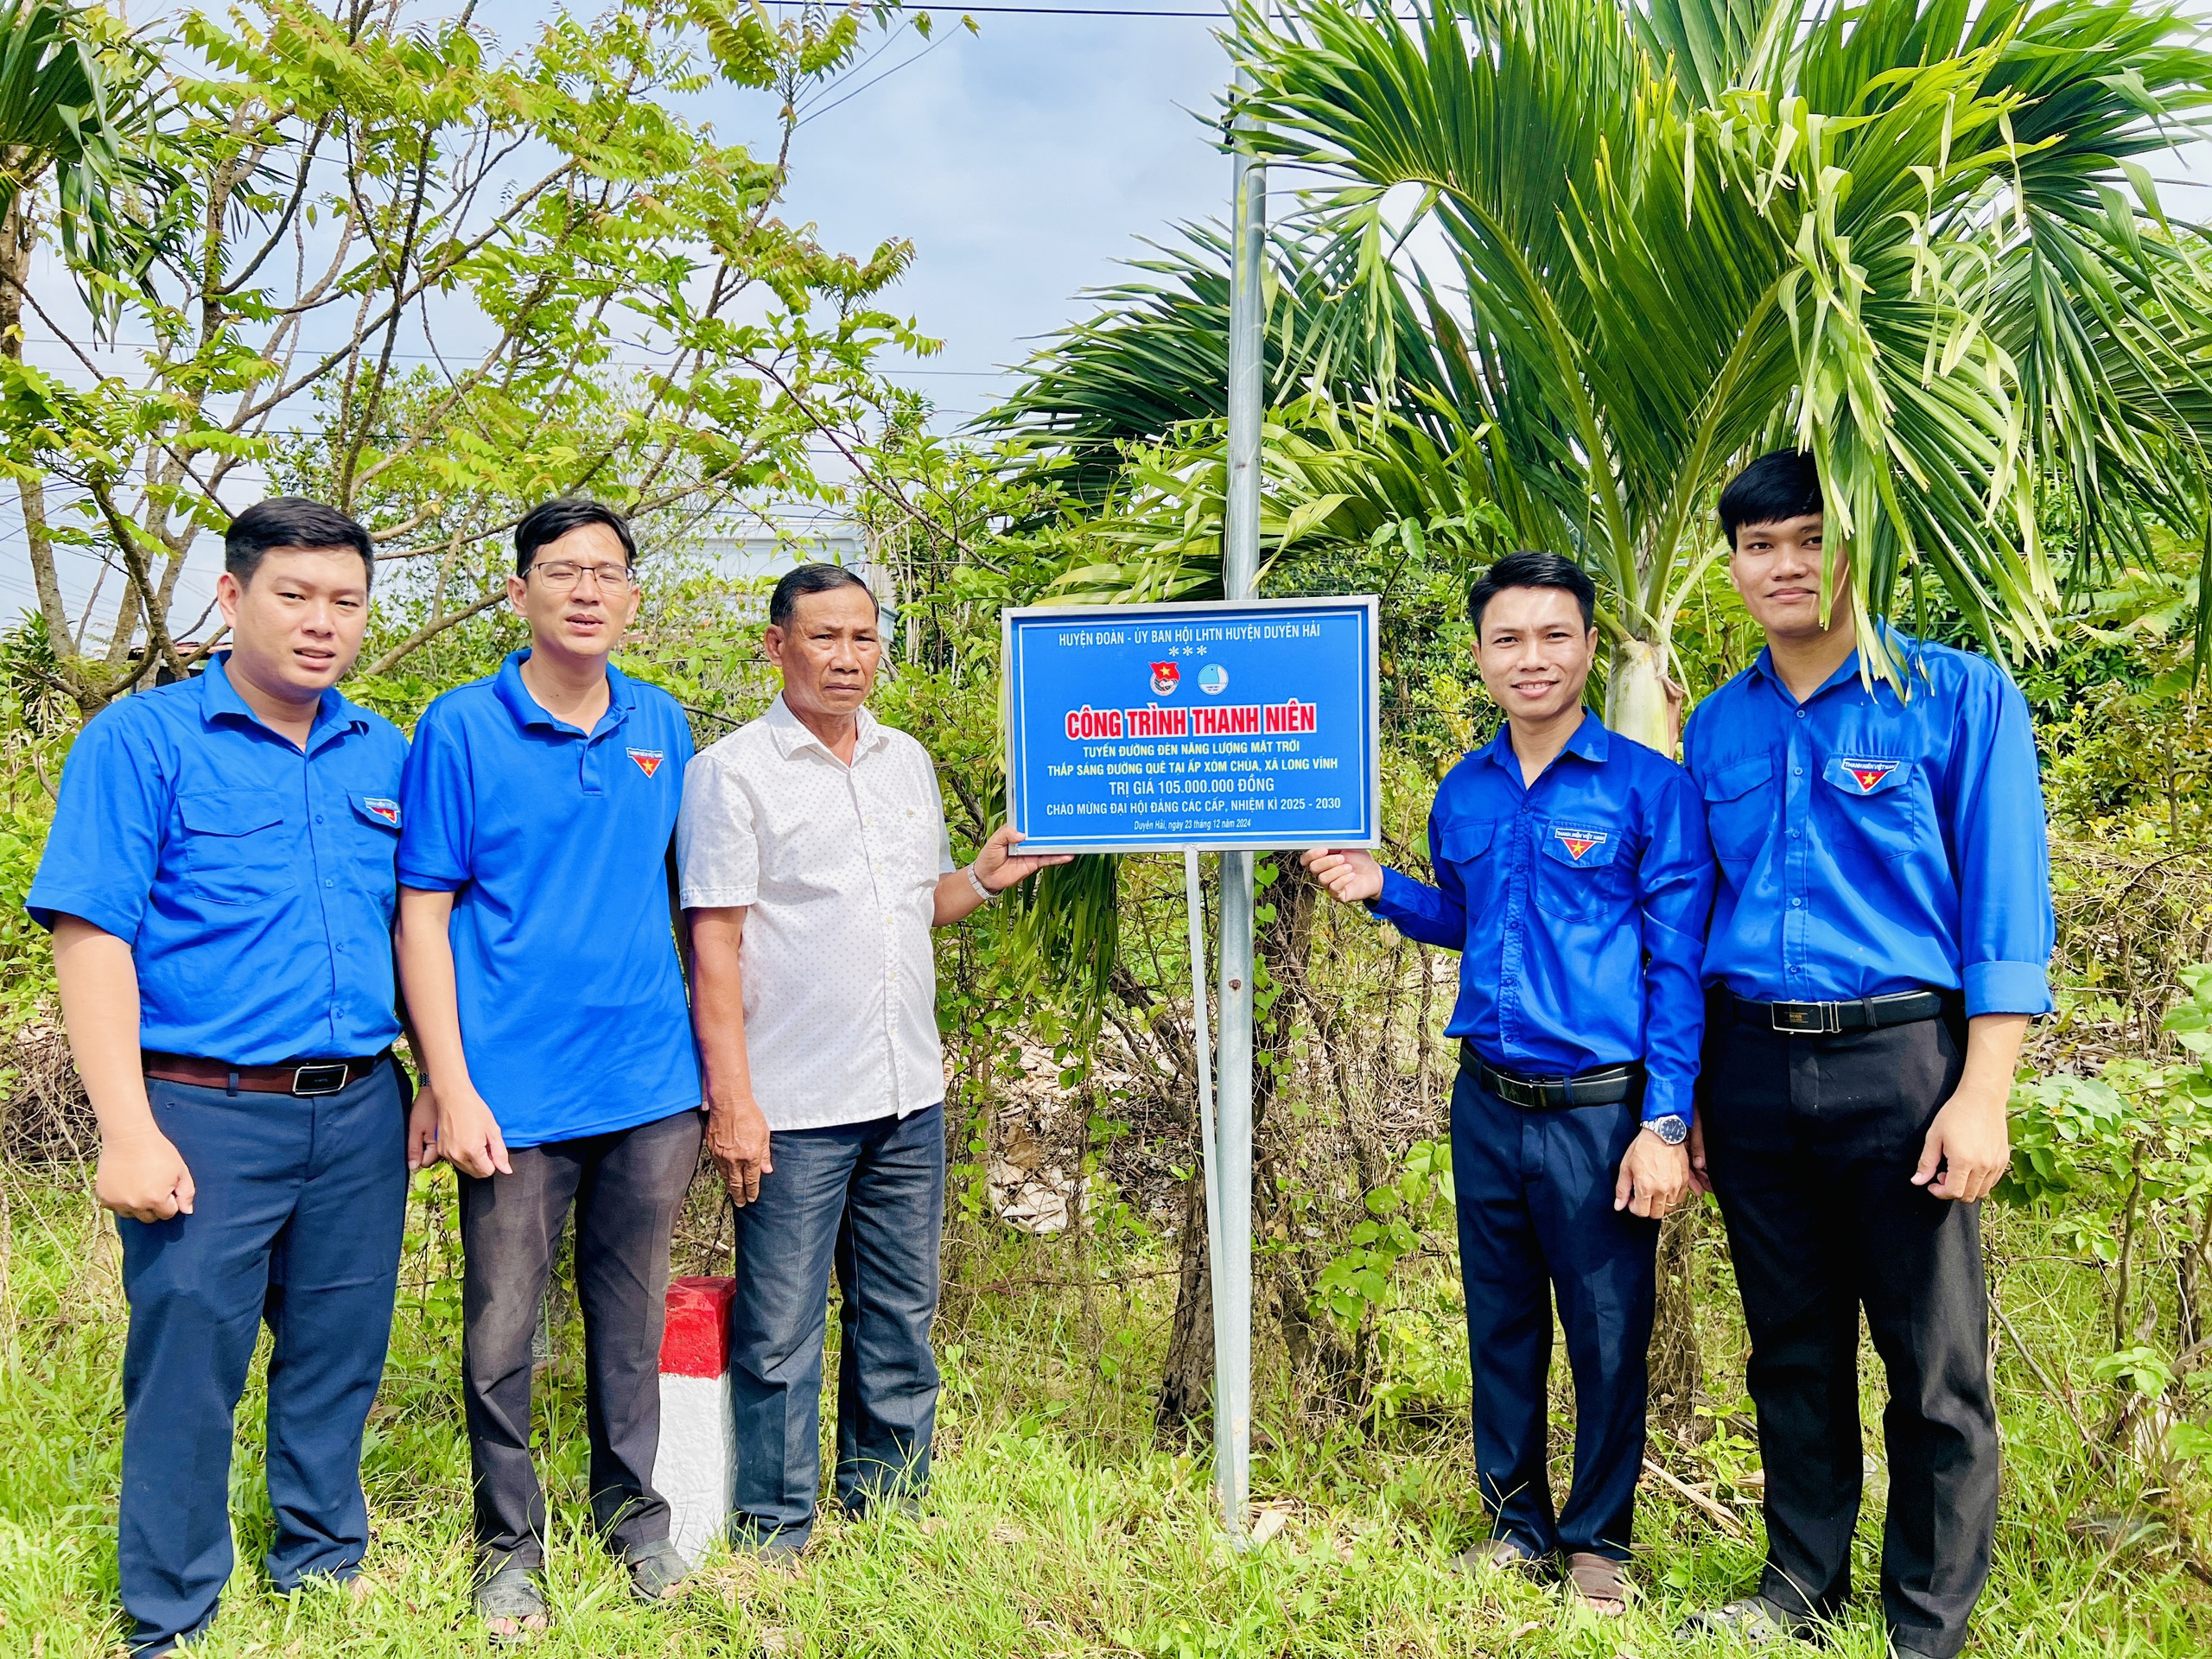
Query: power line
[(427, 357), (1054, 11)]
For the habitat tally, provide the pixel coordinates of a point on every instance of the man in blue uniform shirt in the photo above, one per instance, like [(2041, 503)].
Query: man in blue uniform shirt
[(1571, 874), (536, 944), (1881, 937), (218, 880)]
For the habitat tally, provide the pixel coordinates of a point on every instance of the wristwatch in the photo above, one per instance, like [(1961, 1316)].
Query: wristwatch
[(1674, 1128), (986, 894)]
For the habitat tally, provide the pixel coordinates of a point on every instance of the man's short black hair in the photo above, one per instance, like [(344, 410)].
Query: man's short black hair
[(1782, 485), (811, 578), (290, 521), (1533, 570), (548, 521)]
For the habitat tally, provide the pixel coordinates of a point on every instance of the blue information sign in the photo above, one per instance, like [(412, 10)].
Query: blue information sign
[(1154, 727)]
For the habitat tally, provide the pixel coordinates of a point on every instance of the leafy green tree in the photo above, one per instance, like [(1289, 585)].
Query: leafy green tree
[(432, 280)]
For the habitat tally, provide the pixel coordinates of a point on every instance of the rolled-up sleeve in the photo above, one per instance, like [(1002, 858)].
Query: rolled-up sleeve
[(2002, 842), (1430, 915), (1675, 886), (109, 819), (717, 839)]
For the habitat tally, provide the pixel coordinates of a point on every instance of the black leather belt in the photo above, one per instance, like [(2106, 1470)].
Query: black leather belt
[(1604, 1086), (1821, 1019)]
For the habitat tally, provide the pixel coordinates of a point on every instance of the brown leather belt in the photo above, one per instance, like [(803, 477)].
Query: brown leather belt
[(292, 1078)]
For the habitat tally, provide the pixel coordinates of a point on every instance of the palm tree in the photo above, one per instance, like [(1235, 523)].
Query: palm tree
[(1659, 237), (68, 89), (74, 109), (1916, 239)]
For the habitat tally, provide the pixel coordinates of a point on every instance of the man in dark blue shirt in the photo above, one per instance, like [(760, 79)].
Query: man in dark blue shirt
[(1573, 875), (1880, 939), (218, 880)]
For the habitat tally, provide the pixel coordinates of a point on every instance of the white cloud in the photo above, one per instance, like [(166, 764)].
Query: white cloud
[(1022, 164)]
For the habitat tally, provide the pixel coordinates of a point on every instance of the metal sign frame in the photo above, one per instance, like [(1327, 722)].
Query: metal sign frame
[(1370, 770)]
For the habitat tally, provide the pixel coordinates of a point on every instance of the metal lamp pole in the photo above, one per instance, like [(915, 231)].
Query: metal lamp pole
[(1232, 1172)]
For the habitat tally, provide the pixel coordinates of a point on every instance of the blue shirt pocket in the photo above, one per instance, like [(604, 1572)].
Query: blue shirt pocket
[(1579, 876), (376, 845), (238, 849), (1464, 840), (1870, 799), (1740, 809)]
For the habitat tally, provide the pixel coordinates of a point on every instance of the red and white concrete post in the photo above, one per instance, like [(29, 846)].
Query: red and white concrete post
[(696, 1466)]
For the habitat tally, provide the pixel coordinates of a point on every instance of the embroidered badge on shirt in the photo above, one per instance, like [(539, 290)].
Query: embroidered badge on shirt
[(1579, 841), (648, 760), (1868, 774), (380, 808)]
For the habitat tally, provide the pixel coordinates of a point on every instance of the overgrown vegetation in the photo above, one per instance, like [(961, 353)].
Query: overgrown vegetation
[(1071, 1510)]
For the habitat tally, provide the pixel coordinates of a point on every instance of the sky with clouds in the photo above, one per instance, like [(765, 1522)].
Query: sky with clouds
[(1021, 160)]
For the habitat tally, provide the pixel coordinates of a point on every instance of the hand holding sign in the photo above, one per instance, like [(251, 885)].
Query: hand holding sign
[(1349, 873), (998, 867)]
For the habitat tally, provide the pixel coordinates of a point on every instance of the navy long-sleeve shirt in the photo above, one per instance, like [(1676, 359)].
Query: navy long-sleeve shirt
[(1869, 843), (1579, 905)]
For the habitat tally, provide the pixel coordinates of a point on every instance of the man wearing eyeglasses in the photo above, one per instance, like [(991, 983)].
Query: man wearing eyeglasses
[(535, 947)]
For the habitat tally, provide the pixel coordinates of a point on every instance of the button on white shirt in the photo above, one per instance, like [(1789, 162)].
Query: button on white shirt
[(837, 866)]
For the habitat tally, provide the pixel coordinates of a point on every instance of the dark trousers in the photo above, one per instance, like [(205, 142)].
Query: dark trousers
[(1537, 1218), (1811, 1142), (866, 1200), (295, 1222), (625, 1188)]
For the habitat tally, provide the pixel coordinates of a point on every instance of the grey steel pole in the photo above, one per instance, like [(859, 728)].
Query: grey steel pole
[(1232, 1313)]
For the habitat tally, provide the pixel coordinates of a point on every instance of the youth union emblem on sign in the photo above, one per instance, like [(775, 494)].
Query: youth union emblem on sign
[(1166, 677), (1213, 679)]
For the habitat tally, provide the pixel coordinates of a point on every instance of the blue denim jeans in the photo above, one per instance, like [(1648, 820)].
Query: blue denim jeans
[(296, 1222), (867, 1201)]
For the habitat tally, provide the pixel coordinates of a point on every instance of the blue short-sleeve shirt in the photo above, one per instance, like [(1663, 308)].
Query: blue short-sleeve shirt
[(555, 843), (253, 881)]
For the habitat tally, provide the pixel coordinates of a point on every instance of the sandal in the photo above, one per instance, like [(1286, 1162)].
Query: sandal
[(1753, 1620), (513, 1599), (1598, 1581), (1497, 1555), (658, 1570)]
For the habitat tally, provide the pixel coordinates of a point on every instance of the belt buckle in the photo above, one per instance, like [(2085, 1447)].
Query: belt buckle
[(326, 1078), (1810, 1018), (1527, 1096)]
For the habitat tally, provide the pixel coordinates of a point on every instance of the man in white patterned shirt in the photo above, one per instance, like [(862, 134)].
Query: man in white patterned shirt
[(814, 861)]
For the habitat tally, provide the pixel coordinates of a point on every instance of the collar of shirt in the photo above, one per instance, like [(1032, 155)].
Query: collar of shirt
[(1590, 741), (1903, 647), (792, 734), (507, 684), (220, 704)]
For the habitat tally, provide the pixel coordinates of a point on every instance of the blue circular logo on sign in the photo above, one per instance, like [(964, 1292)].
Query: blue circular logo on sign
[(1213, 679)]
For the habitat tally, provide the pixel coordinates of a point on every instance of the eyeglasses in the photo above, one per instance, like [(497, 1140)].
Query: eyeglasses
[(562, 573)]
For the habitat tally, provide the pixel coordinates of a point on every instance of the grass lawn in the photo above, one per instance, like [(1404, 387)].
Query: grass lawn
[(1056, 1527)]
